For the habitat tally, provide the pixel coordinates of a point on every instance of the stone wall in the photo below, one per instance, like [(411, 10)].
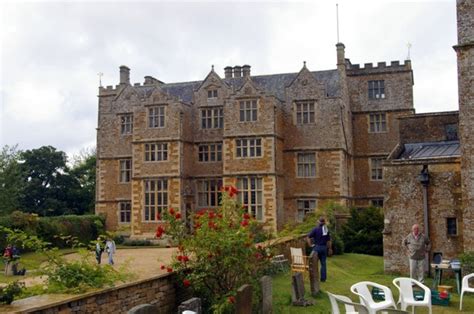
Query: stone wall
[(404, 207), (465, 57), (160, 291), (398, 101), (427, 127)]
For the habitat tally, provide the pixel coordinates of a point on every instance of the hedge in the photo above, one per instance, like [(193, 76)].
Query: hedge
[(84, 228)]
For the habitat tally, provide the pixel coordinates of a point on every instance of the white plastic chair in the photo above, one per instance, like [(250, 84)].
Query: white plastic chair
[(405, 286), (349, 306), (362, 290), (465, 287)]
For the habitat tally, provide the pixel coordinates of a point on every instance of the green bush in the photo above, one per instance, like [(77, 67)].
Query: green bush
[(311, 220), (137, 243), (467, 262), (10, 291), (85, 228), (363, 231)]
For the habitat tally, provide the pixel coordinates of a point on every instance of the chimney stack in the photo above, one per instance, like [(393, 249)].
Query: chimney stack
[(246, 70), (228, 72), (340, 54), (124, 75), (237, 71)]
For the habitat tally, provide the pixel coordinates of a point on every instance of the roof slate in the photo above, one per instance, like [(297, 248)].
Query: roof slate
[(273, 84), (430, 150)]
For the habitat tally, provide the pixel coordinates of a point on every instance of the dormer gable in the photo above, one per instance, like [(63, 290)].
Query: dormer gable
[(306, 86), (248, 89)]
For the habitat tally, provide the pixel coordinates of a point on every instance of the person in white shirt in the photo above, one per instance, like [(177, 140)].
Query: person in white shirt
[(110, 249)]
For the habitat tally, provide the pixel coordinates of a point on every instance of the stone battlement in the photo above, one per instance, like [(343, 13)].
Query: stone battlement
[(369, 68)]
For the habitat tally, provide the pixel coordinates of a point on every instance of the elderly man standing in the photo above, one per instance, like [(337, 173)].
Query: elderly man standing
[(417, 245)]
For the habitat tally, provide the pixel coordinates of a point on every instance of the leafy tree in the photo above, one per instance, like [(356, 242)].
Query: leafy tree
[(84, 171), (11, 185), (48, 187), (363, 231)]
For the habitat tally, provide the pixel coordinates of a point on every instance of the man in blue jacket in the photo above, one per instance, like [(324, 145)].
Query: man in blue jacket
[(320, 239)]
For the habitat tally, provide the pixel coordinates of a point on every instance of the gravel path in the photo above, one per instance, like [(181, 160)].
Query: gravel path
[(143, 262)]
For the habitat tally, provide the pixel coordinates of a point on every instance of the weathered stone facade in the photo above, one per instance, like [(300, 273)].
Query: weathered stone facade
[(290, 142), (426, 140), (465, 56)]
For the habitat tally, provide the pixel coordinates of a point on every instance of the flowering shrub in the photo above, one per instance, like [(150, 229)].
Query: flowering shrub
[(219, 255), (10, 291), (66, 276)]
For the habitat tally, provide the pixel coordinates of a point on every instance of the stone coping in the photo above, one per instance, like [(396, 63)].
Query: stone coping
[(45, 301)]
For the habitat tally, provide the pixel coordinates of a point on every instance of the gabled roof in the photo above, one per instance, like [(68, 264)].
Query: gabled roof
[(430, 150), (274, 84)]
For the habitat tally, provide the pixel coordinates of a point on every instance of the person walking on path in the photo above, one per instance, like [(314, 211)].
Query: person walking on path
[(320, 238), (98, 250), (417, 245), (110, 249)]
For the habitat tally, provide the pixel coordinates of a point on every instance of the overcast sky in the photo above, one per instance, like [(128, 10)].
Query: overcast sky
[(51, 52)]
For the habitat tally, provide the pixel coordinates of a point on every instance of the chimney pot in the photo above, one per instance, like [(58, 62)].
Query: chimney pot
[(228, 72), (246, 70), (237, 71), (124, 75)]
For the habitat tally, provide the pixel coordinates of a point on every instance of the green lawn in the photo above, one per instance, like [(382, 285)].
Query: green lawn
[(31, 261), (344, 271)]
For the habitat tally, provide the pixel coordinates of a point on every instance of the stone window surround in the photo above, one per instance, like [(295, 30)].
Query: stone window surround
[(212, 117), (125, 170), (156, 116), (303, 163), (302, 107), (376, 169), (377, 122), (376, 202), (304, 205), (248, 110), (159, 151), (248, 145), (158, 188), (210, 188), (449, 224), (126, 123), (123, 209), (376, 90), (212, 93), (251, 197), (213, 149)]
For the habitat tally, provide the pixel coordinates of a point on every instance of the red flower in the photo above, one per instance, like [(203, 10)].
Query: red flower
[(211, 215), (246, 216), (171, 211), (258, 255), (244, 223), (231, 299), (219, 216), (211, 225), (178, 216), (158, 217), (259, 247), (185, 259), (169, 269), (159, 231), (233, 191), (179, 258), (186, 283), (163, 267)]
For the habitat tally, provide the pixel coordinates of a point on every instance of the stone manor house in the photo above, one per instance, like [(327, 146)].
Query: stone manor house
[(292, 142)]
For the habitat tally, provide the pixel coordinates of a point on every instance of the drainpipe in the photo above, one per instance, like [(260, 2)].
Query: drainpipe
[(424, 179)]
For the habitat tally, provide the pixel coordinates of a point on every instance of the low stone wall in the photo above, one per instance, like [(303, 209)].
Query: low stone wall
[(160, 291)]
